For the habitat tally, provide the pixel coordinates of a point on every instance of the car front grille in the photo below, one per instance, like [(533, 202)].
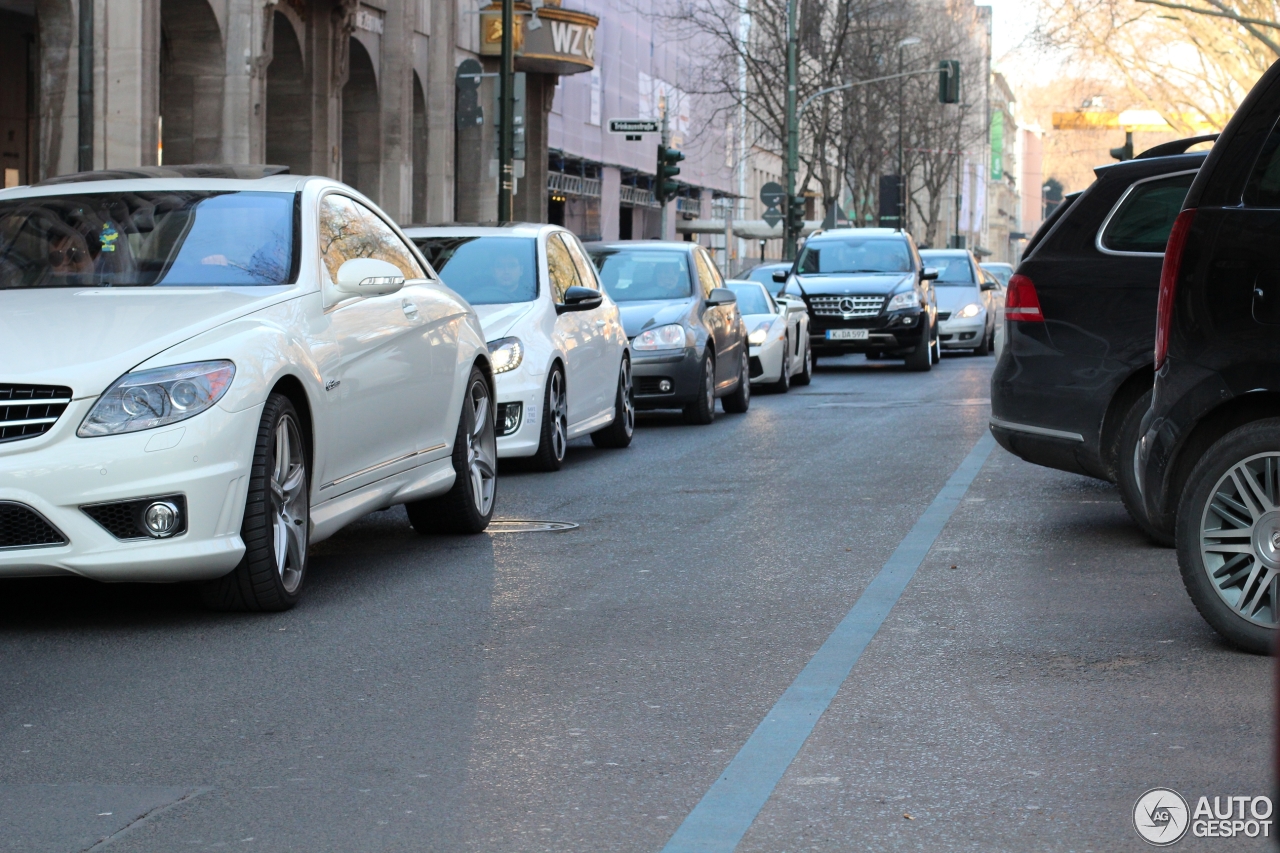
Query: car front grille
[(846, 306), (30, 410), (944, 315), (23, 527)]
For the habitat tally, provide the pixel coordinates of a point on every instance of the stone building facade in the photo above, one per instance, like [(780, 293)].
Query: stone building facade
[(383, 94)]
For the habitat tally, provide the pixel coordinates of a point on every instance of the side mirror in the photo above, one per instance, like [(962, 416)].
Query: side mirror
[(579, 298), (721, 296), (368, 277), (929, 274), (989, 285), (780, 276)]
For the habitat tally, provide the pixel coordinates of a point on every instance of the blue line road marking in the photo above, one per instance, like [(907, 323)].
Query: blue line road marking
[(730, 806)]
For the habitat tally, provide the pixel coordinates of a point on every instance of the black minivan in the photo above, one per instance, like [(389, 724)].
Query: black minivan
[(1209, 459), (1074, 377)]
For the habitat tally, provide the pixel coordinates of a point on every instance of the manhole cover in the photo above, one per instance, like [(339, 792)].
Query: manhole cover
[(525, 525)]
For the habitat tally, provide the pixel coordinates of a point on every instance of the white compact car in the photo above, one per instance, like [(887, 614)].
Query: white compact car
[(201, 376), (559, 351), (967, 300), (778, 336)]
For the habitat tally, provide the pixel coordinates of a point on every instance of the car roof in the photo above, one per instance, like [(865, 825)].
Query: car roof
[(856, 232), (274, 183), (986, 265), (945, 253), (509, 229), (744, 282), (1141, 167), (643, 244)]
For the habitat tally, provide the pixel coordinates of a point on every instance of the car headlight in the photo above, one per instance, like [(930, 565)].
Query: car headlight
[(973, 309), (663, 337), (505, 354), (154, 398), (910, 299), (761, 333)]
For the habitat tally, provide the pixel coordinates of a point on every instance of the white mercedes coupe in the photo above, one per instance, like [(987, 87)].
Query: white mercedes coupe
[(558, 347), (199, 376)]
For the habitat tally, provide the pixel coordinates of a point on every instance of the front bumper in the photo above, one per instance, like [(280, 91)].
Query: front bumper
[(766, 362), (526, 390), (206, 459), (962, 334), (681, 369), (901, 331)]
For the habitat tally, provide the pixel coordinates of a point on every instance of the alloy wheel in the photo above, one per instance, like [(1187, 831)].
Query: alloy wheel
[(289, 508), (482, 448), (628, 398), (1240, 538), (709, 383), (559, 413)]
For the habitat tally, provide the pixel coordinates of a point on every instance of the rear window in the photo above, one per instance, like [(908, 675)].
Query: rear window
[(1144, 217)]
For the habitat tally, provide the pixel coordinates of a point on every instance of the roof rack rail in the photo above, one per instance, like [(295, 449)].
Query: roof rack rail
[(240, 172), (1178, 146)]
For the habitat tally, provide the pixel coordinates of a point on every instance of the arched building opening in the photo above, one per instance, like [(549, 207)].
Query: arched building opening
[(19, 68), (191, 82), (361, 130), (419, 152), (288, 104)]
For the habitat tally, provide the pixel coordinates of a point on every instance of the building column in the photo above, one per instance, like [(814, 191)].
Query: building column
[(440, 95), (610, 202), (247, 36), (126, 83), (530, 203)]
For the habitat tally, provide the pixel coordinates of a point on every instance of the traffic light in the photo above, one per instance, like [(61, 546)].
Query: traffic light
[(667, 187), (1124, 152), (949, 81), (795, 215)]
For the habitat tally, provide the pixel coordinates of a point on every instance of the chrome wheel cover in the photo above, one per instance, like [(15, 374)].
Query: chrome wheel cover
[(290, 509), (744, 376), (482, 447), (1240, 538), (628, 398), (785, 379), (558, 411), (709, 380)]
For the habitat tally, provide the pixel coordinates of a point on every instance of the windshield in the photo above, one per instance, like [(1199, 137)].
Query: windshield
[(485, 270), (855, 254), (752, 299), (952, 269), (1002, 272), (141, 239), (637, 275)]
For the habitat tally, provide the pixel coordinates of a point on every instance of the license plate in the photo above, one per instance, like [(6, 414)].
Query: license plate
[(846, 334)]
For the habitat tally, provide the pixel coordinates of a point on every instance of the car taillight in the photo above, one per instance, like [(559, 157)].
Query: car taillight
[(1021, 302), (1169, 281)]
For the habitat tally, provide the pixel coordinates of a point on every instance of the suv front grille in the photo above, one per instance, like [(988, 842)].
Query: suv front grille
[(23, 527), (30, 410), (846, 306)]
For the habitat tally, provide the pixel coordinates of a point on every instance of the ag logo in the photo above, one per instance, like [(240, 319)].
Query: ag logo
[(1161, 816)]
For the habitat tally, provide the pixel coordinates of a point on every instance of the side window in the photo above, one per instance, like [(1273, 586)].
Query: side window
[(705, 276), (1143, 219), (711, 265), (560, 267), (349, 230), (1263, 189), (586, 270)]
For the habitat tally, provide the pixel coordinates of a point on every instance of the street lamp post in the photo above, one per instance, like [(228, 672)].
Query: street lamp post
[(793, 129), (902, 177), (506, 114)]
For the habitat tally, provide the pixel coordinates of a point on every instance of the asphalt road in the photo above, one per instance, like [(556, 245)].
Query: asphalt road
[(582, 690)]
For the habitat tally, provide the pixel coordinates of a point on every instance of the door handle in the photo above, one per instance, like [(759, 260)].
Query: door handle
[(601, 323), (410, 310)]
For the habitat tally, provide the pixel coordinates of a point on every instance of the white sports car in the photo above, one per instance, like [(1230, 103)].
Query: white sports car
[(778, 336), (559, 349), (200, 376)]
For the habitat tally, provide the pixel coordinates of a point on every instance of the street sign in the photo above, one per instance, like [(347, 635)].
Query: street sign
[(773, 195), (772, 216), (634, 125)]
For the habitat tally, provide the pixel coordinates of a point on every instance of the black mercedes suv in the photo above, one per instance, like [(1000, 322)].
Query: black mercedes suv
[(1074, 378), (1209, 459), (867, 291)]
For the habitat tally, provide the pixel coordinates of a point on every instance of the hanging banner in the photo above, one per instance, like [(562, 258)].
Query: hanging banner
[(997, 145), (965, 206), (980, 198)]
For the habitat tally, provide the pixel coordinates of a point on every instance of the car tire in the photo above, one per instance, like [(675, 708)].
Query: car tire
[(466, 508), (277, 513), (739, 401), (805, 376), (553, 438), (984, 348), (935, 350), (619, 433), (1124, 453), (702, 411), (783, 385), (1237, 478), (921, 360)]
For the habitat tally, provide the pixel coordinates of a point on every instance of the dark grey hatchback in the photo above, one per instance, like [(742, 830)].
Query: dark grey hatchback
[(688, 341)]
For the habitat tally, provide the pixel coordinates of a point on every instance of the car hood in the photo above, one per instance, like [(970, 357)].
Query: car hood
[(853, 284), (498, 320), (638, 316), (87, 338), (953, 298)]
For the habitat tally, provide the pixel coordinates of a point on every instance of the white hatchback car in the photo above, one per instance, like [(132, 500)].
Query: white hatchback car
[(778, 337), (201, 376), (559, 350)]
